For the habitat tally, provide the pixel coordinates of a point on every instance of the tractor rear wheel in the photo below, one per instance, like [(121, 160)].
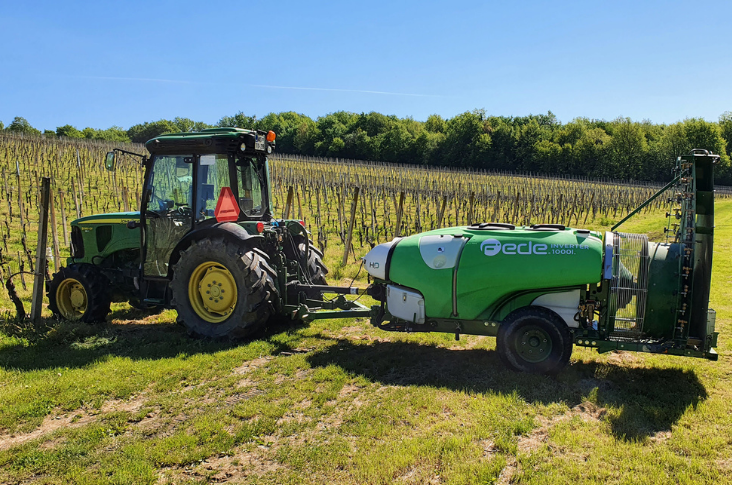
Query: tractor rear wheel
[(78, 292), (221, 290), (534, 339), (316, 268)]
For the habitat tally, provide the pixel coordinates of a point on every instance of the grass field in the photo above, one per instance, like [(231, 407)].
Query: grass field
[(137, 401)]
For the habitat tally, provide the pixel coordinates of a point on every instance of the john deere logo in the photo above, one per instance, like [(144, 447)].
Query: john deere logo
[(491, 247)]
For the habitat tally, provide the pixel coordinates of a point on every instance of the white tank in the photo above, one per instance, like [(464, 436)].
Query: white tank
[(375, 260)]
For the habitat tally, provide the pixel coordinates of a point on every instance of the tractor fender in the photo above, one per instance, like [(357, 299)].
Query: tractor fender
[(229, 231)]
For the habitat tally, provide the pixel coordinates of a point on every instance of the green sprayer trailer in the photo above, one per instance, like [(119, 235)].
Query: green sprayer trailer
[(206, 243)]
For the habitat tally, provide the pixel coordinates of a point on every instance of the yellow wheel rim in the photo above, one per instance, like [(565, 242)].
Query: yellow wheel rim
[(71, 299), (212, 292)]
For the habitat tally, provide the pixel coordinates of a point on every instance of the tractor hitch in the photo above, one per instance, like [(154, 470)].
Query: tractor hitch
[(313, 306)]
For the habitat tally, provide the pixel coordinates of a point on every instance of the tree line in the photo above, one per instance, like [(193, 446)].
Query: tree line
[(618, 149)]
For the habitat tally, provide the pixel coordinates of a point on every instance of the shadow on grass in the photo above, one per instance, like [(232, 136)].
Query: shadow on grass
[(644, 400), (73, 344)]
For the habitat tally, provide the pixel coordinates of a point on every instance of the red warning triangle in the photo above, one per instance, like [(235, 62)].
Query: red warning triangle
[(227, 210)]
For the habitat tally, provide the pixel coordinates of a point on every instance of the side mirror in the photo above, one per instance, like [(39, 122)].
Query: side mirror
[(109, 161)]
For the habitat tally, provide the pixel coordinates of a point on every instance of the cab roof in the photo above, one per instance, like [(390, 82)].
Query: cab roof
[(208, 140)]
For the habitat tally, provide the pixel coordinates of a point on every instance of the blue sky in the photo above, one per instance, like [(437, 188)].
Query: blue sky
[(103, 63)]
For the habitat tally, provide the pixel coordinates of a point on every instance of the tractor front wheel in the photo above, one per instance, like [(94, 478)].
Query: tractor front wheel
[(220, 290), (534, 339), (79, 292)]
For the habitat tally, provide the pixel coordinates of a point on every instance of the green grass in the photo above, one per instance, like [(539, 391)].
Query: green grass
[(137, 401)]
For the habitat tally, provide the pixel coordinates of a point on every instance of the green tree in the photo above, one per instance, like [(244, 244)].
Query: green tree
[(704, 134), (373, 123), (285, 125), (186, 125), (68, 131), (21, 125), (305, 137), (146, 131), (336, 147), (114, 134), (239, 120), (626, 150), (463, 132), (725, 123), (435, 124)]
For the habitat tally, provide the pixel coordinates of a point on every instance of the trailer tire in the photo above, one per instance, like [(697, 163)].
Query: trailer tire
[(534, 339), (79, 293), (243, 272)]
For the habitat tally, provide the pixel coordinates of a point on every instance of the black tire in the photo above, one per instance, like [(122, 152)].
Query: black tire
[(316, 268), (256, 291), (95, 286), (534, 339)]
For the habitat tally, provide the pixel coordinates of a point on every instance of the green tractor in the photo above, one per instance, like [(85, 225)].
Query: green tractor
[(207, 244)]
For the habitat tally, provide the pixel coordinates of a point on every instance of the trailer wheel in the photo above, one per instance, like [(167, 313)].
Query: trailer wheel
[(220, 290), (78, 292), (534, 339)]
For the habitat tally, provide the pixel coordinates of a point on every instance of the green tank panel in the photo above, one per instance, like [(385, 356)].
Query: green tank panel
[(493, 264)]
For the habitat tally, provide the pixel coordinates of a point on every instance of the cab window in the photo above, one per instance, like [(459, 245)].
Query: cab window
[(213, 174), (251, 201)]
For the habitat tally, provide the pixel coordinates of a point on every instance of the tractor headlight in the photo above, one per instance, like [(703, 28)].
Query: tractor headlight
[(243, 147)]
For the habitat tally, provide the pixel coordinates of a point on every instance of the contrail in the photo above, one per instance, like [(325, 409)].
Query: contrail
[(265, 86)]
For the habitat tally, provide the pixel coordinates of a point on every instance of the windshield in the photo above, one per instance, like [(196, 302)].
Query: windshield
[(171, 184)]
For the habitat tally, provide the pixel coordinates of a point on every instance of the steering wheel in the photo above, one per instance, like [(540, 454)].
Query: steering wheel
[(183, 209)]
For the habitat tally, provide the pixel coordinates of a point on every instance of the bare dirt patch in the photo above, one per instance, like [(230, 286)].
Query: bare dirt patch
[(220, 469), (347, 389), (621, 357), (73, 419), (660, 437), (473, 342), (725, 464), (586, 411), (250, 365)]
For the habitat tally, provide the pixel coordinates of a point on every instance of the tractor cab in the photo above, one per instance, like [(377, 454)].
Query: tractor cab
[(197, 180)]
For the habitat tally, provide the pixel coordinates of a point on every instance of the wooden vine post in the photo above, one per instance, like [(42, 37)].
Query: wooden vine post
[(63, 217), (76, 199), (350, 225), (40, 270), (400, 210), (441, 213), (288, 204), (54, 235)]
